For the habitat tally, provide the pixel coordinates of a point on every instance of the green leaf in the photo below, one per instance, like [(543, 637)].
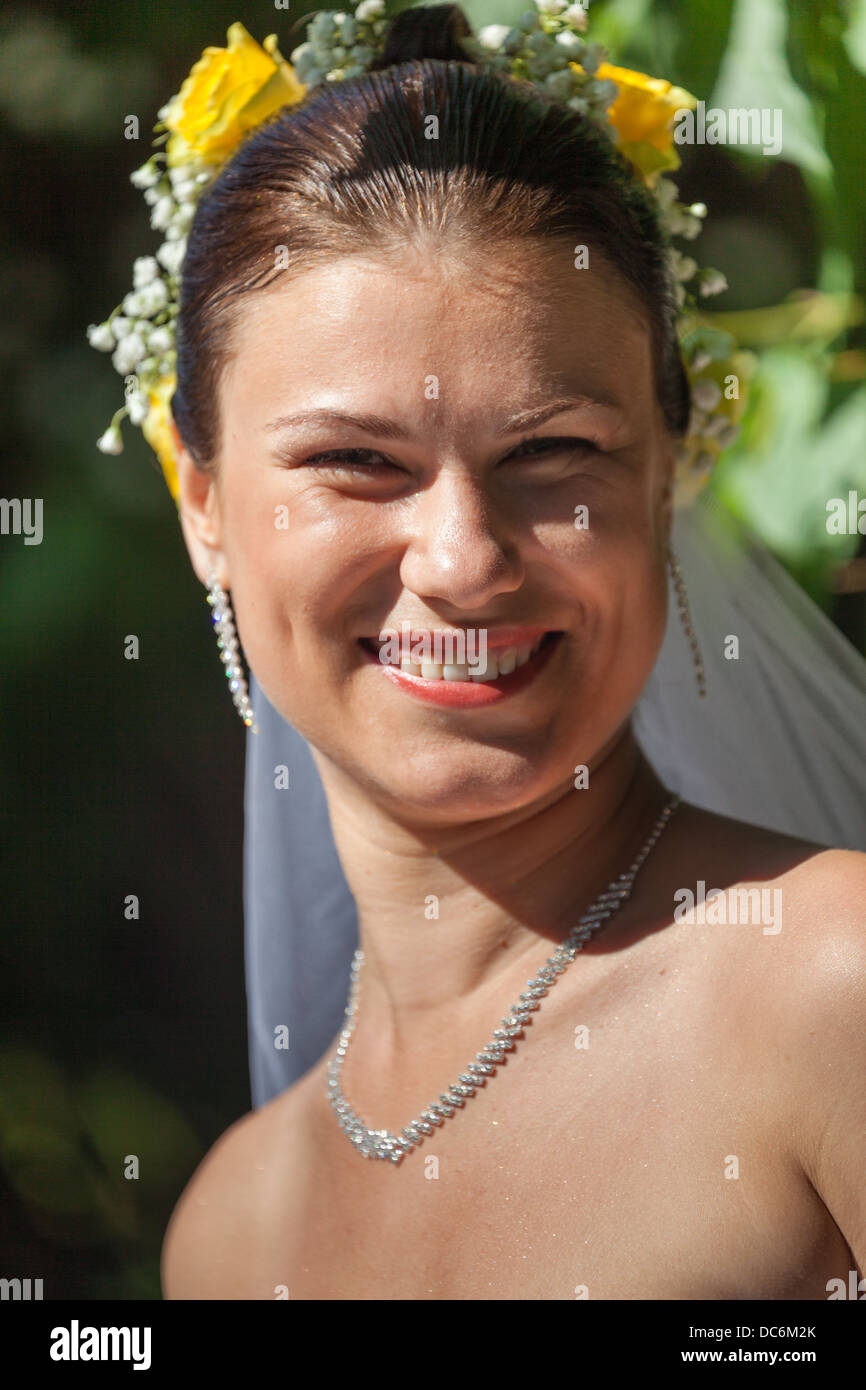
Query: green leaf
[(755, 74)]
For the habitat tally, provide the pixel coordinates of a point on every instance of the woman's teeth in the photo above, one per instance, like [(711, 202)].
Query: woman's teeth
[(501, 663)]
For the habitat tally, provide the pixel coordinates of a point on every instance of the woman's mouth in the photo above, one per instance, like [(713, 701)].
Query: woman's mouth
[(500, 673)]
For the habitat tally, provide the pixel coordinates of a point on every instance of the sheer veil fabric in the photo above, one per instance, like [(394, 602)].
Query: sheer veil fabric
[(779, 740)]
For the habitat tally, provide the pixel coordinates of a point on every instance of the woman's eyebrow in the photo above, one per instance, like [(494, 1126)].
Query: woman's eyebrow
[(389, 429), (371, 424), (529, 419)]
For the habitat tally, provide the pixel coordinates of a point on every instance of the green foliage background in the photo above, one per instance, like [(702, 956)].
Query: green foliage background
[(126, 1038)]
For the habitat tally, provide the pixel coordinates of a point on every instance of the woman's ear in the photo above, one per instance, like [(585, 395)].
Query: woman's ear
[(198, 508)]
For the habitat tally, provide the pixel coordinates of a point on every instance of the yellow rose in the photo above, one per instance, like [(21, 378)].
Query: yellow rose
[(156, 429), (229, 92), (643, 116)]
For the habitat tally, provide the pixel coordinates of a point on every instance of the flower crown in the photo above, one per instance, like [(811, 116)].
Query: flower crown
[(230, 91)]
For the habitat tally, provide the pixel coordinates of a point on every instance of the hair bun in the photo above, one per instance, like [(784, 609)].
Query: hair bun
[(426, 31)]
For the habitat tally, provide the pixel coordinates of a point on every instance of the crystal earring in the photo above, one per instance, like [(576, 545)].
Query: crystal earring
[(230, 649), (686, 620)]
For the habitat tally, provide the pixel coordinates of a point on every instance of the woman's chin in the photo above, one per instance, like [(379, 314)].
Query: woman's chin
[(464, 786)]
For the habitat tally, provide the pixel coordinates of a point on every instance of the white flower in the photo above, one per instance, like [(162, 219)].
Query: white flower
[(160, 340), (560, 85), (134, 304), (185, 190), (698, 209), (181, 173), (120, 327), (183, 217), (146, 176), (688, 227), (569, 41), (697, 422), (712, 282), (575, 16), (144, 271), (706, 394), (110, 442), (129, 353), (684, 267), (551, 6), (153, 298), (162, 213), (370, 9), (727, 436), (493, 36), (170, 255), (99, 335), (593, 57), (137, 407), (605, 92), (715, 425)]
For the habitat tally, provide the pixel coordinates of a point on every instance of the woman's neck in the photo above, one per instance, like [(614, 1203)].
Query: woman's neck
[(451, 916)]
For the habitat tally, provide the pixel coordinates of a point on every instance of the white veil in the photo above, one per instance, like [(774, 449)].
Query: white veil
[(779, 740), (780, 737)]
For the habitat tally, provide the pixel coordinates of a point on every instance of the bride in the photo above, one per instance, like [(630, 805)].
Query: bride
[(429, 383)]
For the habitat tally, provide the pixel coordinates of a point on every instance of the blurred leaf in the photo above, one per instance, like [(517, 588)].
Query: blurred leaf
[(823, 65), (34, 1090), (792, 460), (803, 317), (755, 73), (48, 87), (703, 33), (122, 1115), (855, 34)]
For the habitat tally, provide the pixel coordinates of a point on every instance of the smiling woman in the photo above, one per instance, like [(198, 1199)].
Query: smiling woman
[(432, 382)]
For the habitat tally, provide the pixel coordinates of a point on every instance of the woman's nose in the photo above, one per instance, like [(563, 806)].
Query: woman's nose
[(462, 550)]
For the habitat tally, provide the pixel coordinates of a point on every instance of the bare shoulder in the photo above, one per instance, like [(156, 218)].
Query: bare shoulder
[(811, 875), (806, 901), (224, 1207), (794, 979)]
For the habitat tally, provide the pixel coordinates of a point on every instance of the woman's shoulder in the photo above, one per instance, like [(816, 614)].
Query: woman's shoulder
[(741, 850), (220, 1213), (804, 901)]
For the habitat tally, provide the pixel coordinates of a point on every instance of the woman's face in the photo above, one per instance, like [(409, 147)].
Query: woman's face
[(438, 507)]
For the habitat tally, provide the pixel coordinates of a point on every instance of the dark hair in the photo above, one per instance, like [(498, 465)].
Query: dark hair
[(350, 170)]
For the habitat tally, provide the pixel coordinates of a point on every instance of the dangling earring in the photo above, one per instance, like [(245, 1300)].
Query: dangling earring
[(230, 649), (686, 620)]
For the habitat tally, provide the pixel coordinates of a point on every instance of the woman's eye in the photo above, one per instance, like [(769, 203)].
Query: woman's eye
[(368, 460), (355, 458), (556, 444)]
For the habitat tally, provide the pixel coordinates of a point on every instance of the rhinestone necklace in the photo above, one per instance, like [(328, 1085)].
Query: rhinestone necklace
[(378, 1143)]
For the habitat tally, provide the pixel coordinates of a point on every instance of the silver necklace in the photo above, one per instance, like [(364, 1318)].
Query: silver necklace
[(378, 1143)]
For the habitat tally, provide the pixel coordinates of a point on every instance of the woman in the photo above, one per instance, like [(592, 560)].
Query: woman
[(403, 398)]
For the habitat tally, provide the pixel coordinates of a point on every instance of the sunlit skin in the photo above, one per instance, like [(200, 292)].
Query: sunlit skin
[(449, 518)]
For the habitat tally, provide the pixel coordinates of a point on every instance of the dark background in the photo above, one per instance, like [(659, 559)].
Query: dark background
[(125, 777)]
